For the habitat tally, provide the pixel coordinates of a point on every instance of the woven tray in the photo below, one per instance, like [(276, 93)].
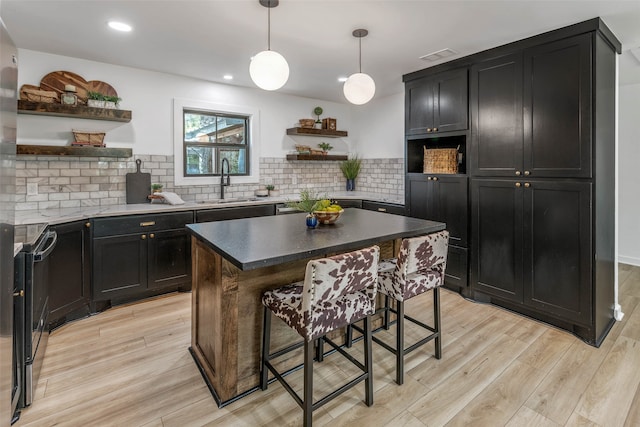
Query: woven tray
[(440, 160), (88, 138)]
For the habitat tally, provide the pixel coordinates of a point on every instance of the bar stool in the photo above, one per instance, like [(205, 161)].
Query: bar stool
[(420, 267), (336, 291)]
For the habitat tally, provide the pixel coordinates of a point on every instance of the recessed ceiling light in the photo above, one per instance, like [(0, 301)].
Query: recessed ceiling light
[(227, 77), (119, 26), (343, 79)]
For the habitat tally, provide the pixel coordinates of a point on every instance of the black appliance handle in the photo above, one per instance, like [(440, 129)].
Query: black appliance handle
[(41, 255)]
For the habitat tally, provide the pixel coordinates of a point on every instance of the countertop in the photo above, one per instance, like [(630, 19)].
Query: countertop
[(271, 240), (62, 215)]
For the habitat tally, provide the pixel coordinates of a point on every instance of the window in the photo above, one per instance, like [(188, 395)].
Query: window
[(210, 137), (206, 132)]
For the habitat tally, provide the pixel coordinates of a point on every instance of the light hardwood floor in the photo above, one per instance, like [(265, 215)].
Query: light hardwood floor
[(130, 366)]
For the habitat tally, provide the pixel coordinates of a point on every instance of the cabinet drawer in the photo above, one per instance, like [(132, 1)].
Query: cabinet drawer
[(349, 203), (384, 207), (207, 215), (140, 223)]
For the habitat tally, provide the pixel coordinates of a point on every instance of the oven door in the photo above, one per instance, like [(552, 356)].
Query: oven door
[(17, 397)]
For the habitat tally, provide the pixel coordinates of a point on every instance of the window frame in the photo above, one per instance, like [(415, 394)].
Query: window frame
[(252, 136)]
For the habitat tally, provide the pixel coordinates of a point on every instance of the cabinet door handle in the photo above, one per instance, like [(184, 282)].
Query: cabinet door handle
[(527, 173), (518, 185), (527, 185), (429, 178), (143, 237), (435, 129), (19, 294), (428, 129), (151, 236), (147, 224), (87, 224), (517, 173), (435, 178), (382, 209)]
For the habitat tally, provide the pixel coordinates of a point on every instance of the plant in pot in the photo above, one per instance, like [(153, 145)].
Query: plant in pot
[(156, 188), (272, 190), (309, 202), (95, 99), (318, 111), (325, 147), (111, 101), (350, 169)]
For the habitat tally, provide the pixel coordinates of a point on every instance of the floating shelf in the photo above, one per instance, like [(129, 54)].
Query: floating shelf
[(327, 133), (50, 150), (316, 156), (79, 111)]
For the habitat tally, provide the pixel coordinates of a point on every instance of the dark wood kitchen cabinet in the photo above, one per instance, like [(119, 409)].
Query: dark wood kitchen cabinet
[(444, 198), (436, 104), (141, 255), (69, 274), (530, 112), (532, 245)]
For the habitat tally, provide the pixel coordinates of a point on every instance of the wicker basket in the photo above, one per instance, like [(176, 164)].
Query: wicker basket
[(83, 137), (440, 160), (307, 123), (37, 95)]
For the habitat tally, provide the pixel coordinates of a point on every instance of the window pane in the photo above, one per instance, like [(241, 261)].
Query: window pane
[(199, 127), (236, 159), (231, 131), (200, 160)]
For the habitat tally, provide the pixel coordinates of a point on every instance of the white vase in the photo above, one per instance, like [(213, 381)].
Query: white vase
[(95, 103)]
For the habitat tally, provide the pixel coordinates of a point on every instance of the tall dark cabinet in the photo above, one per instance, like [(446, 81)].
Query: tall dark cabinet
[(541, 172)]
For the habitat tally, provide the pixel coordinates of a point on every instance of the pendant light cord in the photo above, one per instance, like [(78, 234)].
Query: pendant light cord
[(269, 27), (360, 50)]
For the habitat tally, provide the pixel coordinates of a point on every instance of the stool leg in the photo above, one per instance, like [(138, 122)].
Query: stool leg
[(307, 404), (436, 321), (368, 358), (348, 339), (266, 339), (320, 349), (386, 312), (400, 343)]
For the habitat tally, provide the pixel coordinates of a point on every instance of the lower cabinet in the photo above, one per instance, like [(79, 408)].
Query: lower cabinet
[(444, 198), (532, 245), (207, 215), (140, 255), (69, 273)]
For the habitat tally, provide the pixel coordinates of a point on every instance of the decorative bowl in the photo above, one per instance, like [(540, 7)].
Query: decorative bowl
[(328, 217)]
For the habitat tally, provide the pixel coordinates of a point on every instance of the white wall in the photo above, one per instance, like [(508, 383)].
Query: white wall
[(629, 181), (149, 95)]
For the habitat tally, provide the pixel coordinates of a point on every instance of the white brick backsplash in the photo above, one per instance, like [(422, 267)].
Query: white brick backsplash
[(87, 181)]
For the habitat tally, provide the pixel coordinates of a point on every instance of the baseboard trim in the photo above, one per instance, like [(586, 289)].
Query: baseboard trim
[(629, 260)]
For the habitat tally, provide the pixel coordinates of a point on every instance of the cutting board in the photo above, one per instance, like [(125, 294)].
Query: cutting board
[(138, 185), (57, 80)]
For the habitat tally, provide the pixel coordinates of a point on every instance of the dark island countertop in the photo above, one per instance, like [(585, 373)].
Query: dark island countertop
[(265, 241)]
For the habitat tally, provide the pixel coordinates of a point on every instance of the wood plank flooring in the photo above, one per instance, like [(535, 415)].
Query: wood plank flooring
[(130, 366)]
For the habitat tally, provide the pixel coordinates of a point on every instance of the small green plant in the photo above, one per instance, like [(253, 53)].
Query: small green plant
[(270, 187), (317, 111), (309, 201), (96, 96), (351, 167), (113, 99), (156, 187), (325, 146)]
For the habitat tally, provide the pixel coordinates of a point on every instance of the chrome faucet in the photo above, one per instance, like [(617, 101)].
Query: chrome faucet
[(222, 182)]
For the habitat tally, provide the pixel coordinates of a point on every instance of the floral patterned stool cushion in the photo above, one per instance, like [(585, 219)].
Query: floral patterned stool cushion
[(336, 291)]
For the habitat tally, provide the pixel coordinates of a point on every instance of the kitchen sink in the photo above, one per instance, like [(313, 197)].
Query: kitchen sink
[(223, 201)]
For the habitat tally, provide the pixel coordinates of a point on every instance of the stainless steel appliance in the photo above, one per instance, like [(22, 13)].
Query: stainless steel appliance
[(8, 117), (38, 243), (17, 392)]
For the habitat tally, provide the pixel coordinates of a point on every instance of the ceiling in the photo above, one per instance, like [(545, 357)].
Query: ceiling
[(208, 39)]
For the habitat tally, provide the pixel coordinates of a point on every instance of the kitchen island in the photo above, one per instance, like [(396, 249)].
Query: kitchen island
[(235, 261)]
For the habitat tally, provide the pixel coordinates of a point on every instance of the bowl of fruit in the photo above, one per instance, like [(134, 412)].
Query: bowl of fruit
[(327, 213)]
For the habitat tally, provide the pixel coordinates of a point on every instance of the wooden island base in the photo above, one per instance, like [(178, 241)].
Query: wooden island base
[(227, 319)]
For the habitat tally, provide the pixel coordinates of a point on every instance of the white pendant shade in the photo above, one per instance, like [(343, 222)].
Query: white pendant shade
[(269, 70), (359, 88)]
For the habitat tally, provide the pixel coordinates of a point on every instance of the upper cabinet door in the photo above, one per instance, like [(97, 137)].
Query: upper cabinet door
[(557, 108), (450, 110), (496, 117), (438, 103)]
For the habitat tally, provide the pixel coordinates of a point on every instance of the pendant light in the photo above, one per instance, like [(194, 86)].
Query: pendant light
[(359, 87), (268, 69)]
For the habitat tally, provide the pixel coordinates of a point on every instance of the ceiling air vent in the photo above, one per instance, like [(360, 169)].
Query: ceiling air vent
[(438, 55)]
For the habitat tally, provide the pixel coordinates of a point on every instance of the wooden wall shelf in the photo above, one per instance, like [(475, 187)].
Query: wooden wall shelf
[(317, 132), (67, 150), (80, 111), (316, 157)]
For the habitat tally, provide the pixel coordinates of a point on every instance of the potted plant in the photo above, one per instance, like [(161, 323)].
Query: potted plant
[(111, 101), (156, 188), (272, 190), (325, 147), (95, 99), (309, 202), (350, 169), (317, 111)]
